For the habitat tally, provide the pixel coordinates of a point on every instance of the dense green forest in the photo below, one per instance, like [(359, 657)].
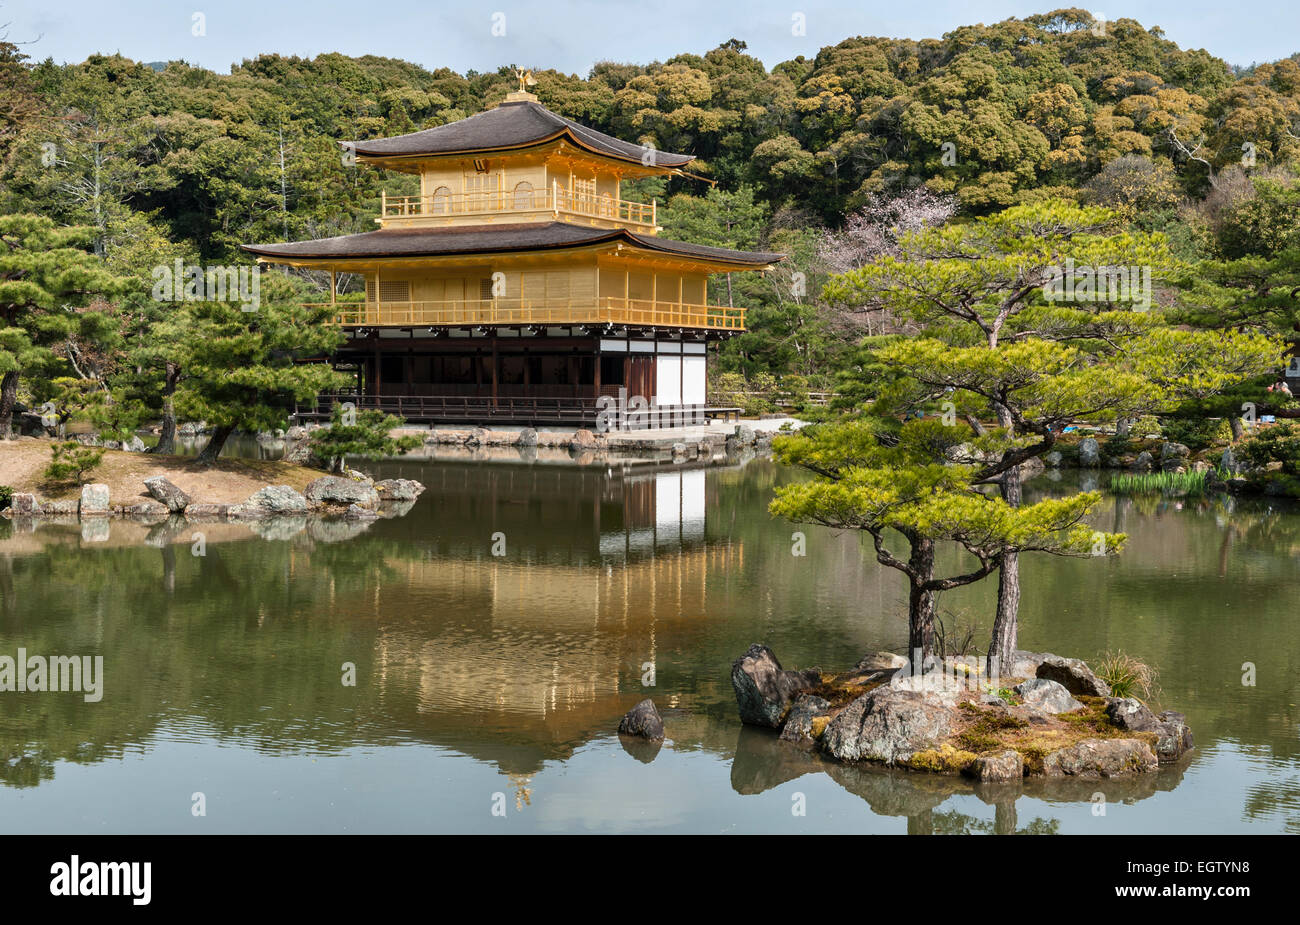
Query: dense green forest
[(809, 157)]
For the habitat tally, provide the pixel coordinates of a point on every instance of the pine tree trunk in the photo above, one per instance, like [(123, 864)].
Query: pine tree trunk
[(1238, 431), (166, 445), (213, 450), (8, 399), (1006, 624), (920, 605)]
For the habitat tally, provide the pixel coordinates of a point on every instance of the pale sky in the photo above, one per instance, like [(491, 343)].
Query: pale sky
[(570, 35)]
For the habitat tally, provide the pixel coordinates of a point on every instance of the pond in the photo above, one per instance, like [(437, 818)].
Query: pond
[(488, 687)]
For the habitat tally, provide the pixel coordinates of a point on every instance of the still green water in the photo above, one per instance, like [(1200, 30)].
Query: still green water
[(495, 682)]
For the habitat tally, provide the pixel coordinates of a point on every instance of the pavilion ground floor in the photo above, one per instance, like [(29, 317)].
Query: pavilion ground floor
[(639, 378)]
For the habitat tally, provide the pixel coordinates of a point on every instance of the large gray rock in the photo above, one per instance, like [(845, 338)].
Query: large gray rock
[(1089, 452), (335, 490), (398, 489), (1025, 664), (1173, 456), (204, 511), (880, 661), (527, 437), (1003, 766), (94, 500), (764, 689), (271, 501), (798, 725), (163, 491), (1143, 462), (642, 720), (22, 504), (1053, 459), (1174, 737), (943, 685), (55, 508), (1130, 714), (1100, 758), (1046, 696), (888, 725), (1074, 675)]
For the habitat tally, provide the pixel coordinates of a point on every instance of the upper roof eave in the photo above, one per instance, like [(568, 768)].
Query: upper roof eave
[(510, 126)]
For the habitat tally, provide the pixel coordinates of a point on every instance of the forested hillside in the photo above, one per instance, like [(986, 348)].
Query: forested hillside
[(171, 160)]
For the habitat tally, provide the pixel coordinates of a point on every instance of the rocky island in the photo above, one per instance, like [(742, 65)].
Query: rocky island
[(1050, 716)]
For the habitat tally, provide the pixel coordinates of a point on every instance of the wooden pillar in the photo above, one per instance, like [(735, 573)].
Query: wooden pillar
[(495, 375)]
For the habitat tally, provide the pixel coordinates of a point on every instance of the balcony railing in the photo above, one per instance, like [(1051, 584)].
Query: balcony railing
[(608, 310), (557, 200)]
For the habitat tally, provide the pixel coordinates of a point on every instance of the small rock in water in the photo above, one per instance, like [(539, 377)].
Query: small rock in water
[(398, 489), (333, 489), (1003, 766), (642, 720), (1093, 758), (583, 440)]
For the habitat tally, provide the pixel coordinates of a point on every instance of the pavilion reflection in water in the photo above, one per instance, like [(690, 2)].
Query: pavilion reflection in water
[(524, 657)]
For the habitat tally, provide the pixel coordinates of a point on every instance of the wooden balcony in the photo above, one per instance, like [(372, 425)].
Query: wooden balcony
[(506, 205), (508, 312)]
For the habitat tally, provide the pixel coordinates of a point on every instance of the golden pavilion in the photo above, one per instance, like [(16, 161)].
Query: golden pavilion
[(519, 286)]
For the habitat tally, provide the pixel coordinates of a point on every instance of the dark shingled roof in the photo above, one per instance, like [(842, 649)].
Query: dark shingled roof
[(510, 125), (481, 239)]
